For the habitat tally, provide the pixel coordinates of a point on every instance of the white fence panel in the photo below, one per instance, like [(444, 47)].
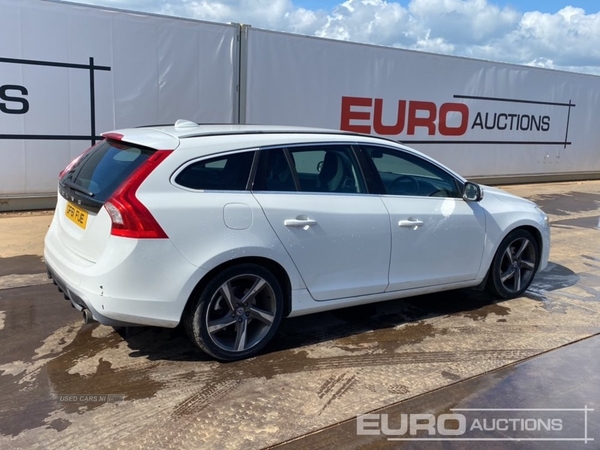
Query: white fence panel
[(69, 72), (480, 118)]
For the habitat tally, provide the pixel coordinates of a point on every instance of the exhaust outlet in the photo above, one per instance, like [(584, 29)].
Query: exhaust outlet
[(87, 316)]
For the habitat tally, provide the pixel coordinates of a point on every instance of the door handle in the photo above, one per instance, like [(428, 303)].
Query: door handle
[(410, 223), (301, 223)]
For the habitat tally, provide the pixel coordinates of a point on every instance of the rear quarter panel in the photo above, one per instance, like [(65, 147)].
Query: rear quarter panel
[(212, 227)]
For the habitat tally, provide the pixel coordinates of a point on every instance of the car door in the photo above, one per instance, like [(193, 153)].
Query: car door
[(338, 236), (437, 237)]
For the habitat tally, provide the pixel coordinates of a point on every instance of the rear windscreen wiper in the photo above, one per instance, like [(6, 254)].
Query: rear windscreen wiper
[(78, 188)]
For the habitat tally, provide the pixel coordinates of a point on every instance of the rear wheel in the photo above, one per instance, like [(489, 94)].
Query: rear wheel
[(514, 265), (237, 313)]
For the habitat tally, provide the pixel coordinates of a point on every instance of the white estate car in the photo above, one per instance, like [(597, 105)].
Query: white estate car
[(230, 228)]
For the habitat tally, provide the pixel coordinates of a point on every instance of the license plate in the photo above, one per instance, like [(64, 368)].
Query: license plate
[(77, 215)]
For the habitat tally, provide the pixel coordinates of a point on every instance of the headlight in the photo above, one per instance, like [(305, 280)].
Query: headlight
[(543, 214)]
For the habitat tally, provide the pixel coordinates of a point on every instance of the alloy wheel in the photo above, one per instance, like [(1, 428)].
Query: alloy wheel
[(518, 264), (241, 312)]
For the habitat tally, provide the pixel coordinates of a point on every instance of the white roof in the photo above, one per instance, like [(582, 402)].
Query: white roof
[(167, 137)]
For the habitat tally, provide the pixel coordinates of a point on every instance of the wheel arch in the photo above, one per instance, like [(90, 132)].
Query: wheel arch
[(537, 236), (274, 267), (535, 232)]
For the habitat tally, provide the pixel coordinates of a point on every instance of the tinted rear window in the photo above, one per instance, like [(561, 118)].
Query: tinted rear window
[(223, 173), (105, 168)]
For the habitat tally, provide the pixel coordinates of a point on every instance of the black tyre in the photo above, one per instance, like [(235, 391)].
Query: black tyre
[(237, 313), (514, 265)]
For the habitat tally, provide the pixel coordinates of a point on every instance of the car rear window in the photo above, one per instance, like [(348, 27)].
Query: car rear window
[(104, 168)]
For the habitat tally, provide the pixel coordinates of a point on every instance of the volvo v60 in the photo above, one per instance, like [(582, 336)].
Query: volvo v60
[(227, 229)]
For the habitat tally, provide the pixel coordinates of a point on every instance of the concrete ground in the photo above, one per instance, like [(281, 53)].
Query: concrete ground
[(567, 378), (68, 385)]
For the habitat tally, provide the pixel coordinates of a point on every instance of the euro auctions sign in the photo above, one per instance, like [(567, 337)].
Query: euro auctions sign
[(409, 116), (490, 120), (567, 425)]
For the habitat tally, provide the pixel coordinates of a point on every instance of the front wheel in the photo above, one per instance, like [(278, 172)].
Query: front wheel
[(237, 313), (514, 265)]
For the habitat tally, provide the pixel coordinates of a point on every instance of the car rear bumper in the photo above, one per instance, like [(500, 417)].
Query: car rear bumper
[(135, 282), (78, 302)]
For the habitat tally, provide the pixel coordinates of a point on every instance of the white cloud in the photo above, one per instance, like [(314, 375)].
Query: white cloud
[(568, 39), (372, 21), (434, 45), (268, 13), (463, 21)]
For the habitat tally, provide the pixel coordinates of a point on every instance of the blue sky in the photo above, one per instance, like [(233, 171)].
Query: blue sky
[(554, 34)]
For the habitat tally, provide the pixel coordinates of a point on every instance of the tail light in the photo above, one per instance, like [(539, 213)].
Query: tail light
[(130, 218)]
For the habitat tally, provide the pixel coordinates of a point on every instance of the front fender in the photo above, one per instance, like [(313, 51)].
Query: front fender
[(502, 218)]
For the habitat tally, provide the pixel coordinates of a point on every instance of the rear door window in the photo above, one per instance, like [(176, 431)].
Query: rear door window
[(330, 168), (274, 172)]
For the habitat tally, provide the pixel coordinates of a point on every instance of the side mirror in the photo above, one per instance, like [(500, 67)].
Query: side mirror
[(472, 192)]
